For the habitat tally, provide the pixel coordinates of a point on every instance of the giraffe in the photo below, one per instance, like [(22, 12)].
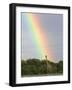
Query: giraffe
[(46, 62)]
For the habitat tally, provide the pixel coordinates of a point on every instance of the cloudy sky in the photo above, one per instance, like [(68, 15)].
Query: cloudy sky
[(53, 29)]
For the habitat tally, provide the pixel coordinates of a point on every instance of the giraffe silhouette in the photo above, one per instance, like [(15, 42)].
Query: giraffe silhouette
[(46, 57)]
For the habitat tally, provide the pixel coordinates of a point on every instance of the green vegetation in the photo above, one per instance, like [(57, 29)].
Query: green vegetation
[(36, 67)]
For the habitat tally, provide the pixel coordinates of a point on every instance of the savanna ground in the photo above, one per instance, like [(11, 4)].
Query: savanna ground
[(36, 67)]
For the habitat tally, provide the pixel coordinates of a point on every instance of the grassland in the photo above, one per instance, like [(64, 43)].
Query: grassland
[(36, 67)]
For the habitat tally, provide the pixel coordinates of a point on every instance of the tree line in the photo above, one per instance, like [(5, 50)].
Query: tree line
[(40, 67)]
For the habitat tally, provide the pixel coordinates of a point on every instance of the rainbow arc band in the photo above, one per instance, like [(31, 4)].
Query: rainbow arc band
[(40, 39)]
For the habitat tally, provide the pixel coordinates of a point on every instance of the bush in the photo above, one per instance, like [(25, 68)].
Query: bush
[(40, 67)]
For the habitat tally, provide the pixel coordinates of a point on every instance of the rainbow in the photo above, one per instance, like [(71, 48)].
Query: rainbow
[(40, 39)]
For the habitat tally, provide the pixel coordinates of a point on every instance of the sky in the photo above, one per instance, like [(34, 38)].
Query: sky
[(51, 37)]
